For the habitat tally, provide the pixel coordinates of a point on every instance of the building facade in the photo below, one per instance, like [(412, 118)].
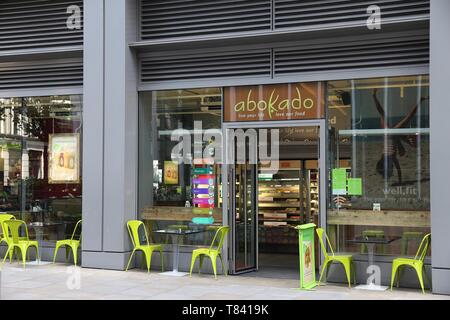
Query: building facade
[(110, 107)]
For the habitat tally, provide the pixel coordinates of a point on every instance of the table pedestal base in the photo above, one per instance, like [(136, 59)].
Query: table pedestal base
[(174, 273), (38, 263), (371, 287)]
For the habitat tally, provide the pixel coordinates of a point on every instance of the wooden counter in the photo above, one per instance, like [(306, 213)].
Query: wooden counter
[(176, 214), (386, 218)]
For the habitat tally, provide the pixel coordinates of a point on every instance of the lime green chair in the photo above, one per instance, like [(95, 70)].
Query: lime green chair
[(212, 252), (146, 249), (417, 263), (12, 228), (345, 260), (3, 238), (70, 244), (3, 218)]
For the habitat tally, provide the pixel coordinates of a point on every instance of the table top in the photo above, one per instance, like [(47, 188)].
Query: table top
[(374, 240), (178, 232)]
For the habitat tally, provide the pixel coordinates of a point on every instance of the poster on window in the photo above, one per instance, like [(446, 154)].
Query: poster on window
[(64, 158), (170, 172)]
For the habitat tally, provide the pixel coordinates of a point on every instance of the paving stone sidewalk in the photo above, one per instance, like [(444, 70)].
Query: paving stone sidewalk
[(59, 281)]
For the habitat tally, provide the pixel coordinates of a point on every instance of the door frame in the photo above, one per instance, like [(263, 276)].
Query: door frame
[(227, 216)]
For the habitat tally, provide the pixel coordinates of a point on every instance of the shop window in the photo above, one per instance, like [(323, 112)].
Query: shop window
[(379, 148), (40, 163), (178, 189)]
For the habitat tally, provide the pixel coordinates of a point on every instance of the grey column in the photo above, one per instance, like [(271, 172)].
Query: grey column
[(116, 27), (439, 150)]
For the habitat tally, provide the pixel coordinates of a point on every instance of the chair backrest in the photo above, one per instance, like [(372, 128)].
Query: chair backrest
[(320, 233), (219, 238), (75, 230), (3, 218), (423, 248), (133, 230), (12, 228)]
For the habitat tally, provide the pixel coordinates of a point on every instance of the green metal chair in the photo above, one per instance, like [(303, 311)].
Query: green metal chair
[(3, 218), (417, 263), (345, 260), (3, 238), (12, 228), (146, 249), (69, 244), (212, 252)]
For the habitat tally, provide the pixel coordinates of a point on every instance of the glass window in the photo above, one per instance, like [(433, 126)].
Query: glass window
[(177, 189), (40, 163), (379, 162)]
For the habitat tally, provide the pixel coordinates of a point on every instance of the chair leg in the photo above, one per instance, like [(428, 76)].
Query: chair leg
[(56, 251), (325, 265), (420, 276), (148, 259), (24, 256), (75, 253), (129, 260), (223, 266), (354, 272), (347, 273), (6, 255), (194, 257), (393, 274), (214, 264)]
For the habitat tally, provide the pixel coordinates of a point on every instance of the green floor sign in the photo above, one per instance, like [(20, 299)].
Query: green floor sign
[(306, 252)]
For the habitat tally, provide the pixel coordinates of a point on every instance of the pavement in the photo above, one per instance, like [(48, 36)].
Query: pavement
[(61, 282)]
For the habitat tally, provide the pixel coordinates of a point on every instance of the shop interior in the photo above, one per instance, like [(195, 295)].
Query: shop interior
[(285, 198)]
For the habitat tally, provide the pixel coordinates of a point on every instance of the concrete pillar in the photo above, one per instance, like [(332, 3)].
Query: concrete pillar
[(110, 132), (439, 151)]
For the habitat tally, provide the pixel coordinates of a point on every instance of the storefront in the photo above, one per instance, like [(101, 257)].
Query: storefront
[(259, 115), (301, 135)]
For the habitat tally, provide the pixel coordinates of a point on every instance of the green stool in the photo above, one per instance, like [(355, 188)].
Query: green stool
[(410, 236), (375, 234)]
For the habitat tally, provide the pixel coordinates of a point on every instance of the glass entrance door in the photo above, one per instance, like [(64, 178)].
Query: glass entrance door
[(243, 204)]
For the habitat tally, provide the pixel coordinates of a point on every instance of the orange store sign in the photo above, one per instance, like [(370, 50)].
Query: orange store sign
[(293, 101)]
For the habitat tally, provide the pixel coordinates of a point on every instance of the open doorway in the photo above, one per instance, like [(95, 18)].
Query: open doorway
[(267, 204), (286, 199)]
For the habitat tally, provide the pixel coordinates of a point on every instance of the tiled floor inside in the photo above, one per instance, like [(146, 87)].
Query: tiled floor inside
[(59, 281)]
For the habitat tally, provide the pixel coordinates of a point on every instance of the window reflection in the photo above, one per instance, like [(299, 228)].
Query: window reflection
[(27, 154), (379, 134)]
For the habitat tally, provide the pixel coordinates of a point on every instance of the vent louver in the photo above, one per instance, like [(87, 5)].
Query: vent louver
[(206, 66), (352, 55), (306, 13), (41, 74), (35, 24), (184, 18)]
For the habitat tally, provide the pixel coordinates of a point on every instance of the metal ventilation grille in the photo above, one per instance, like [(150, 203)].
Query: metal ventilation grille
[(206, 66), (352, 55), (35, 24), (306, 13), (184, 18), (41, 74)]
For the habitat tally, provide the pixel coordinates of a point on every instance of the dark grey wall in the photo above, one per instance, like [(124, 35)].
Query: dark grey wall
[(440, 151)]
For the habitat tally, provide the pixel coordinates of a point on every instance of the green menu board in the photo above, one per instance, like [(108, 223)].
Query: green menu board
[(339, 181), (307, 255), (354, 186)]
